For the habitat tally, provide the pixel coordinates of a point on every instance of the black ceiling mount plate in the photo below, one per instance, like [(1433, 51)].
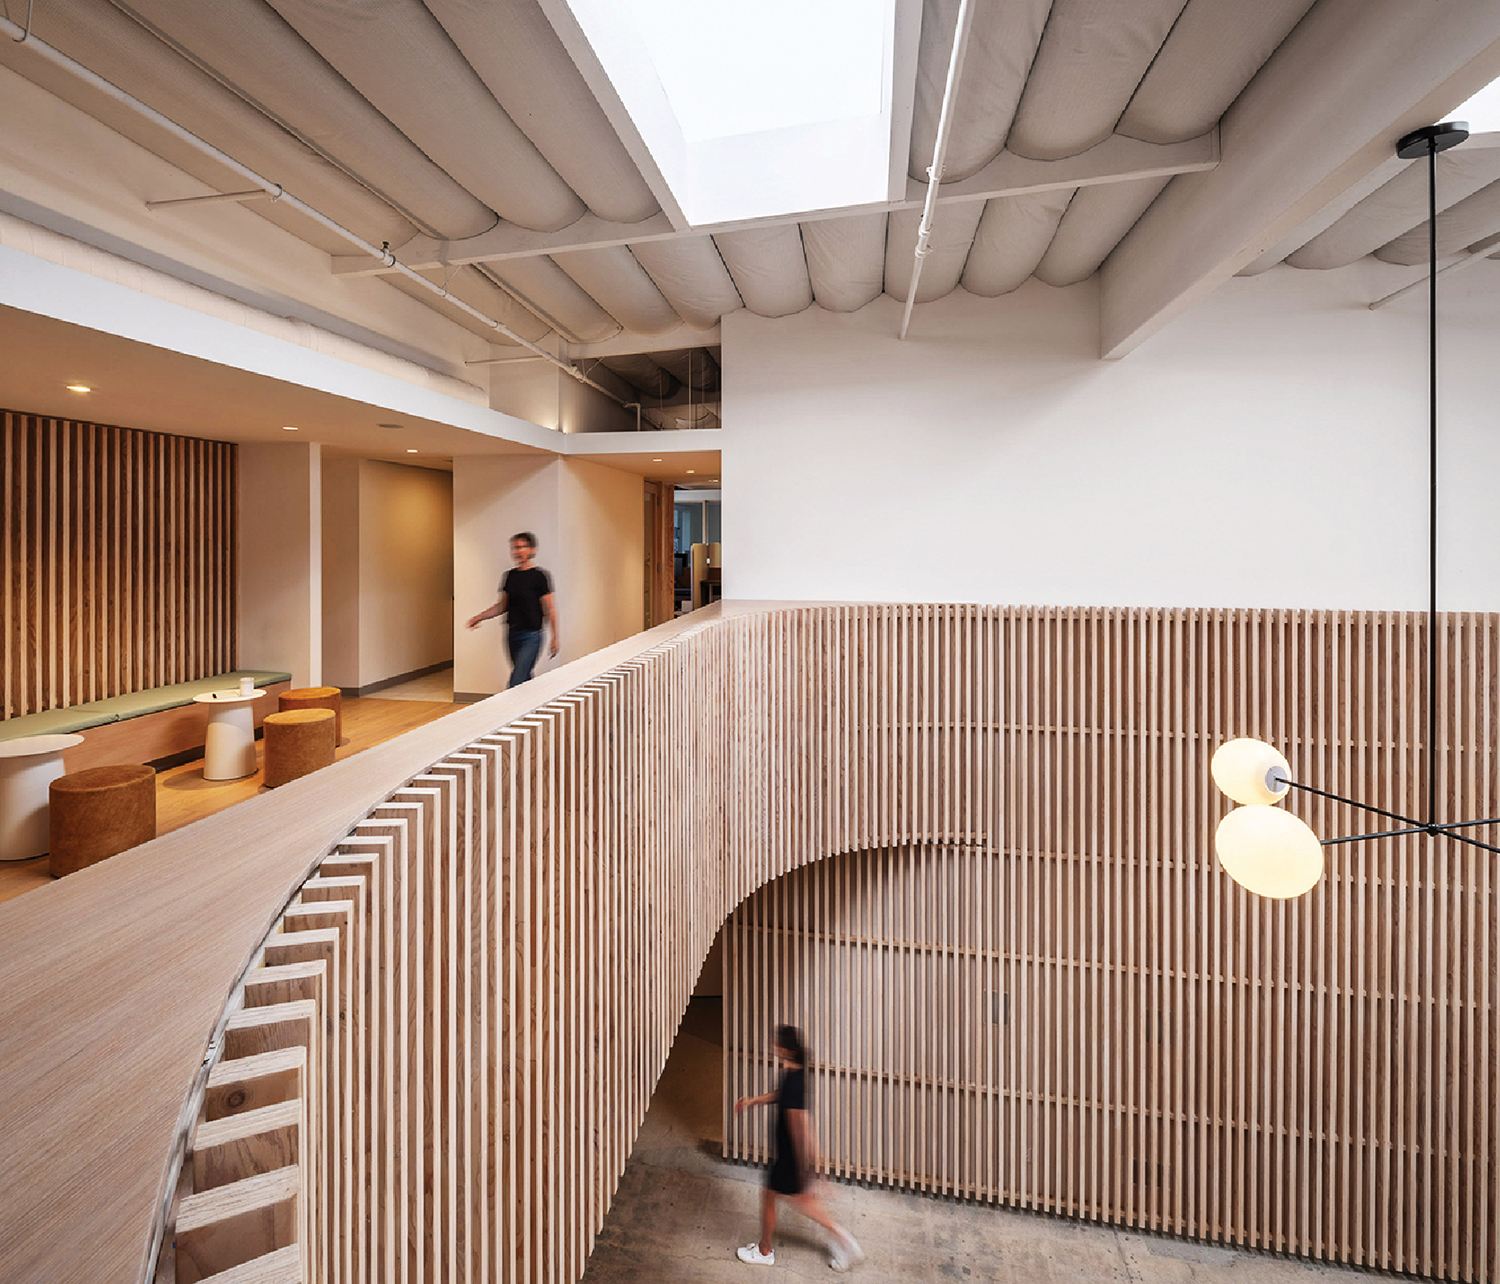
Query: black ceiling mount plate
[(1432, 138)]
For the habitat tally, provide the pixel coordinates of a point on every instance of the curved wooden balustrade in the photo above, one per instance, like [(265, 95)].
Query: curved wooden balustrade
[(401, 1019)]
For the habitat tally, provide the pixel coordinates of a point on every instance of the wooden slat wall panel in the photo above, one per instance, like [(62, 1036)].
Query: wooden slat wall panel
[(977, 850), (118, 561)]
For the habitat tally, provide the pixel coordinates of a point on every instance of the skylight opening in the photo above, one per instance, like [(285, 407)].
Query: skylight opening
[(754, 110), (1481, 111)]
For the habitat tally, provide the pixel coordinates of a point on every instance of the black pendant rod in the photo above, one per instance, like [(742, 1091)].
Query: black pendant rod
[(1432, 483)]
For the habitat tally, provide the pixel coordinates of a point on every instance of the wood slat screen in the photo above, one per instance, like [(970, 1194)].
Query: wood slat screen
[(1057, 1000), (118, 561), (1078, 1011)]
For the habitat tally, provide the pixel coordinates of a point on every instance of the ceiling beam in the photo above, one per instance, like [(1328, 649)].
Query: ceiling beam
[(626, 344), (1116, 160), (1322, 114)]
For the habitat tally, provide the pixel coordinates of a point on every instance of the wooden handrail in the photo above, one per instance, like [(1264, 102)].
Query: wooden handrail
[(404, 1016), (114, 980)]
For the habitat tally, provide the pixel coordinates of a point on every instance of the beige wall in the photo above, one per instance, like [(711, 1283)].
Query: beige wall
[(387, 570), (280, 560), (589, 525), (341, 572), (405, 569), (603, 555)]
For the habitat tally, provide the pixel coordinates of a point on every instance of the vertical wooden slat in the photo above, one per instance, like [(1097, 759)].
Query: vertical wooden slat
[(117, 561)]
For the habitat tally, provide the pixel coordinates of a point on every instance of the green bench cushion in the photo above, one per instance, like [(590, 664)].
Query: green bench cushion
[(53, 722), (135, 705)]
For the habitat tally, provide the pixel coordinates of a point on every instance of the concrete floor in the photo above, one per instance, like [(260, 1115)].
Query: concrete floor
[(681, 1211)]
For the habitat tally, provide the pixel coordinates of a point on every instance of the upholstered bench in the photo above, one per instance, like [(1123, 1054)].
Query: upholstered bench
[(143, 726)]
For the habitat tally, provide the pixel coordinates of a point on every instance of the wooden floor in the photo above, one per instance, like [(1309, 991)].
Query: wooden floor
[(183, 795)]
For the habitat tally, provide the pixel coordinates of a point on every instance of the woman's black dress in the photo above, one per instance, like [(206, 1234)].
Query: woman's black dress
[(785, 1177)]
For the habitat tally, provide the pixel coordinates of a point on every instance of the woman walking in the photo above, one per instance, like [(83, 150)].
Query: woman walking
[(794, 1160)]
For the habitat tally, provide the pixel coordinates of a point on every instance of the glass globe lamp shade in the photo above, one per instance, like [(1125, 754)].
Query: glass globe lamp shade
[(1269, 851), (1250, 771)]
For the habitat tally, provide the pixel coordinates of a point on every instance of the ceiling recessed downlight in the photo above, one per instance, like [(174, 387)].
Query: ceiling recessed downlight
[(656, 461), (79, 387), (411, 450), (390, 425), (288, 428), (690, 472)]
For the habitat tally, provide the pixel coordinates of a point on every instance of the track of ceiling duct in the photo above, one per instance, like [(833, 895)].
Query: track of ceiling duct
[(450, 117)]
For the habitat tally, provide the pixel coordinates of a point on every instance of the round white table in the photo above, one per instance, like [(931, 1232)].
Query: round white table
[(28, 765), (229, 739)]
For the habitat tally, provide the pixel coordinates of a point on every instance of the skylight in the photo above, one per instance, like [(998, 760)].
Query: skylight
[(756, 109), (1481, 111)]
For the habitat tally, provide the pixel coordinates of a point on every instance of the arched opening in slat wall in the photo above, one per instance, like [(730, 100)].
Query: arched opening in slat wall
[(436, 1064)]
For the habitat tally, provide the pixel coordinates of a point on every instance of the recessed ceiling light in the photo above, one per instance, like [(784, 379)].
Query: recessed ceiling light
[(79, 387), (390, 425), (656, 461), (690, 472), (288, 428), (411, 450)]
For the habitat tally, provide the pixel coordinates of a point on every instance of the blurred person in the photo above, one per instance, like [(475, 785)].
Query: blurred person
[(527, 602), (794, 1160)]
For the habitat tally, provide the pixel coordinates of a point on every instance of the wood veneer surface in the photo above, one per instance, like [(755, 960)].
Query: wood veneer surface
[(518, 899), (117, 561)]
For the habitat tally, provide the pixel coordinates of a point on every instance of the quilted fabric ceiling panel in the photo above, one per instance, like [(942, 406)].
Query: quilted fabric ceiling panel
[(452, 117)]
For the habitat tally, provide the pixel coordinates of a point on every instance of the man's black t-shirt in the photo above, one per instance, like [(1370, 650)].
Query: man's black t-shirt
[(524, 591)]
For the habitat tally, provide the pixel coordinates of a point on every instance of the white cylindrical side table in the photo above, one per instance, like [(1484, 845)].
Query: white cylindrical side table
[(229, 738), (28, 766)]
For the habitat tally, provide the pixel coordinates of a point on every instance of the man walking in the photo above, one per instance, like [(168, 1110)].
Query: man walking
[(525, 600)]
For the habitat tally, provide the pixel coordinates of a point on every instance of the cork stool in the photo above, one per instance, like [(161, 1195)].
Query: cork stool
[(297, 741), (96, 813), (318, 698)]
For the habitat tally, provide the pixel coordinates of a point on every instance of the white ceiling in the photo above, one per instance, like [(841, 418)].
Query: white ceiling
[(468, 125)]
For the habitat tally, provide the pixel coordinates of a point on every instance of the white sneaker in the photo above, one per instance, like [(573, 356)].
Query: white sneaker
[(842, 1256), (751, 1254)]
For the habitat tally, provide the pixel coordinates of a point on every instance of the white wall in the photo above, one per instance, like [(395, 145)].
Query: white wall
[(280, 560), (1269, 449), (341, 572), (405, 570), (590, 527)]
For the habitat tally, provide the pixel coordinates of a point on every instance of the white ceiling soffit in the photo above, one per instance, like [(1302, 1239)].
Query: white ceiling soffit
[(1397, 206), (1002, 41), (1093, 55), (619, 285), (478, 291), (1010, 241), (119, 49), (769, 268), (692, 277), (560, 299), (952, 235), (516, 53), (1097, 218), (845, 260), (1215, 48), (252, 50), (1460, 226), (394, 52)]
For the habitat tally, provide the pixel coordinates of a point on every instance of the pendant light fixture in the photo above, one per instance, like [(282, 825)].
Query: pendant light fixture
[(1264, 848)]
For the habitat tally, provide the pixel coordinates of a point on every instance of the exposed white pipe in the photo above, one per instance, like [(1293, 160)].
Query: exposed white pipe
[(59, 59), (939, 152), (214, 198), (1457, 266)]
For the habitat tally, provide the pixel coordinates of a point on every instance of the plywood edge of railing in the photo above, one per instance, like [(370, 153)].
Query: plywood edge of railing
[(115, 980)]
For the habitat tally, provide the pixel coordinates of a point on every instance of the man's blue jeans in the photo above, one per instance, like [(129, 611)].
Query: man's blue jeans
[(525, 645)]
